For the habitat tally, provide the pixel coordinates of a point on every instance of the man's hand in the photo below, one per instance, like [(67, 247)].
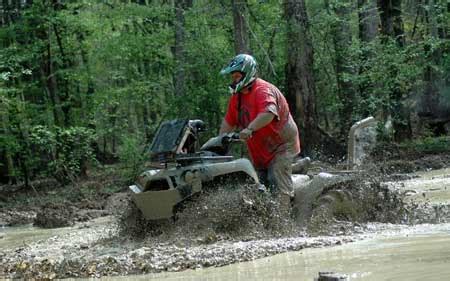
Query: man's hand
[(245, 134)]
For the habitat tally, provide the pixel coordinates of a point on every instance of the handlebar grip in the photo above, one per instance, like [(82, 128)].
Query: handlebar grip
[(235, 136), (229, 138)]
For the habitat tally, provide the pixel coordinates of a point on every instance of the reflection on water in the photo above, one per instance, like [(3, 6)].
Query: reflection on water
[(432, 186), (12, 237), (18, 236), (424, 256), (440, 173)]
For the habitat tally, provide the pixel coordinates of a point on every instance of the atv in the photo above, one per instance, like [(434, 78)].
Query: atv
[(181, 169)]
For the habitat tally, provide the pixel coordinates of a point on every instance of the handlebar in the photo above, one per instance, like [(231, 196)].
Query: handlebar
[(230, 137)]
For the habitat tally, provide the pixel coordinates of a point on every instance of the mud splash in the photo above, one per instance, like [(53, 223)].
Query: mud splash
[(227, 212)]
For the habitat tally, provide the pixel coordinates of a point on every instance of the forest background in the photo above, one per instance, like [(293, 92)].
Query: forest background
[(85, 83)]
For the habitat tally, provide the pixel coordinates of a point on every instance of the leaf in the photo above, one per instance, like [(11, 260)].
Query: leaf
[(5, 76)]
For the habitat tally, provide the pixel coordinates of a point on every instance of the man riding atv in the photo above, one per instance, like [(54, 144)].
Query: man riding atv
[(259, 110)]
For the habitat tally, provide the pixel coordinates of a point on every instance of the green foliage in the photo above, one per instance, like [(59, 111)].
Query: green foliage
[(62, 153), (385, 131), (400, 70), (324, 59), (74, 151), (430, 145), (74, 73), (205, 91), (132, 156), (44, 140)]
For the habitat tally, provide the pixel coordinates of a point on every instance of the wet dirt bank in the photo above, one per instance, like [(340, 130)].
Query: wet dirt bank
[(49, 204), (97, 248), (53, 215)]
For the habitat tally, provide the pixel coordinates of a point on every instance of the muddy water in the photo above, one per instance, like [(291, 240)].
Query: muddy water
[(431, 186), (420, 253), (14, 237)]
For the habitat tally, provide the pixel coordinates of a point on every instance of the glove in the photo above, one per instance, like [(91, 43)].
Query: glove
[(245, 134)]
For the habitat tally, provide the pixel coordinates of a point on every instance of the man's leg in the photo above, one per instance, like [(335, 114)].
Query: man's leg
[(263, 179), (280, 175)]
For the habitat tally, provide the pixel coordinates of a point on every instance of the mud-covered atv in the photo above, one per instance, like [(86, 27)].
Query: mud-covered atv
[(182, 169)]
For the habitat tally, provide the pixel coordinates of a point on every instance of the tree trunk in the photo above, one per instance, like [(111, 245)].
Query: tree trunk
[(299, 73), (5, 13), (179, 53), (392, 26), (446, 34), (11, 9), (8, 9), (368, 20), (241, 40), (66, 63), (113, 121), (146, 121), (85, 103), (430, 98), (28, 3), (10, 169), (24, 155), (51, 85), (342, 42), (14, 8), (391, 20)]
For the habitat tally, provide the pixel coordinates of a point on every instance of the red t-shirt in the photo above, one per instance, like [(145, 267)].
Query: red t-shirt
[(280, 136)]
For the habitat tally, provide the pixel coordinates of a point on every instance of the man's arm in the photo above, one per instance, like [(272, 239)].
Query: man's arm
[(263, 119), (225, 128)]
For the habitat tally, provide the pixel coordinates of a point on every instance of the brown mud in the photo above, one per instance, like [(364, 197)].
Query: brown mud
[(393, 158), (218, 229), (45, 203)]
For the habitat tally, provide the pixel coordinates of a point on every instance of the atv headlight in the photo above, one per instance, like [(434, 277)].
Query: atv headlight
[(135, 188)]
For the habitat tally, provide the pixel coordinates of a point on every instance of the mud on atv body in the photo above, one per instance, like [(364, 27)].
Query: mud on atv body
[(182, 169)]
